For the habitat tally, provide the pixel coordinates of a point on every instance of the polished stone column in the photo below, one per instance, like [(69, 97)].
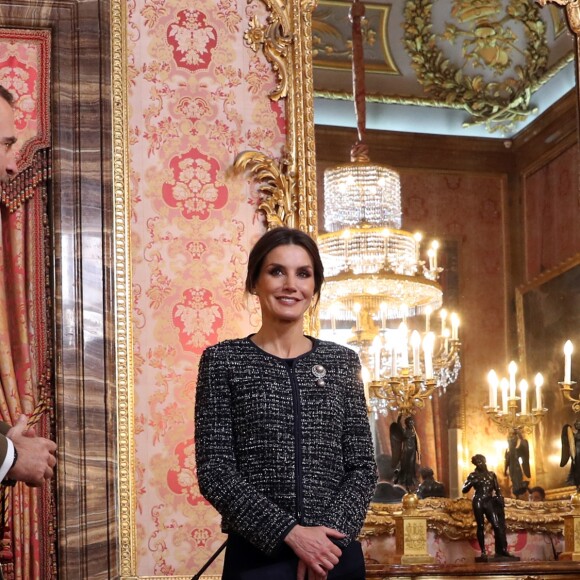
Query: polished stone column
[(82, 288)]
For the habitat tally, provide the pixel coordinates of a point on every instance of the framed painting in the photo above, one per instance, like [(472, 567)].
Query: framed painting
[(548, 314)]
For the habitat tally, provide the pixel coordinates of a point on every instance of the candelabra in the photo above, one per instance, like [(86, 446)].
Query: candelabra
[(401, 370), (567, 385), (506, 415), (404, 393)]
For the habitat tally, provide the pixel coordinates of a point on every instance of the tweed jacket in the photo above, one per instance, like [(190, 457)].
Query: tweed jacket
[(277, 445)]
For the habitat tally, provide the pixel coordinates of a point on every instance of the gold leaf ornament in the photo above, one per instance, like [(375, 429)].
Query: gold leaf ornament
[(277, 183), (486, 45)]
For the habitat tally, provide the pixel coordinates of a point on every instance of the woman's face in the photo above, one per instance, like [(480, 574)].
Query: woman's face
[(285, 285)]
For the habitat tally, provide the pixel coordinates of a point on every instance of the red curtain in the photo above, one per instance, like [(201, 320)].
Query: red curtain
[(25, 346), (25, 358)]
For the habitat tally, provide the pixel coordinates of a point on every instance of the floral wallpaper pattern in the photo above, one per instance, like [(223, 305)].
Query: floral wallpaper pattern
[(197, 98)]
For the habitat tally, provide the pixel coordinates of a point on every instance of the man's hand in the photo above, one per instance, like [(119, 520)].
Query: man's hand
[(316, 552), (36, 455)]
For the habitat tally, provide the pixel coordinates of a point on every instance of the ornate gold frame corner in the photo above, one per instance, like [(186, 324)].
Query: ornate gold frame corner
[(287, 185)]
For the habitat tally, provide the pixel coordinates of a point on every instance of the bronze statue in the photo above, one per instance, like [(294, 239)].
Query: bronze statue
[(571, 452), (517, 462), (406, 452), (429, 486), (488, 503)]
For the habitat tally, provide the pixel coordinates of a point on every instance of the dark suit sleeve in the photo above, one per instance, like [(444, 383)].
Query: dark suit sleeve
[(4, 428)]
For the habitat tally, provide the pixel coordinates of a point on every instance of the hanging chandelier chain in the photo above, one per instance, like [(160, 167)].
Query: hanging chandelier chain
[(357, 12)]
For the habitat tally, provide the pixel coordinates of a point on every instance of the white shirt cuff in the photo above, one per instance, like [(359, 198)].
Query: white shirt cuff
[(8, 460)]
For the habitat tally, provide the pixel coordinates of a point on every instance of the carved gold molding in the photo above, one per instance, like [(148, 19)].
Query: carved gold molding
[(453, 518), (572, 12), (288, 185), (276, 187), (123, 300), (496, 104), (274, 38)]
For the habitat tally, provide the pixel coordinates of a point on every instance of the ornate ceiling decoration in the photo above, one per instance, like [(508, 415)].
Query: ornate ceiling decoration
[(488, 58), (504, 54)]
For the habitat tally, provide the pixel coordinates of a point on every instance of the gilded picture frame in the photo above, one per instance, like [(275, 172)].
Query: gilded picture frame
[(548, 314)]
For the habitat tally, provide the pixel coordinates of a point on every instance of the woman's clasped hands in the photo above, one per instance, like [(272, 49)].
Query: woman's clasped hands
[(317, 554)]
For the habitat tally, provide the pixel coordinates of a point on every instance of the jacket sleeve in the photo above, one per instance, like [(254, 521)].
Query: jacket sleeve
[(348, 509), (245, 510)]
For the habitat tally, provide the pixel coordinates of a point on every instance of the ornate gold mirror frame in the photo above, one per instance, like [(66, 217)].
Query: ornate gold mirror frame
[(287, 187)]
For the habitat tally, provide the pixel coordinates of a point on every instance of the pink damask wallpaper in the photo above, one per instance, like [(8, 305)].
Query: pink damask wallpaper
[(197, 98)]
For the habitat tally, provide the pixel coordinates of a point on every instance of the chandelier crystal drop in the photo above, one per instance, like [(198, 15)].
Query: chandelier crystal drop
[(361, 192)]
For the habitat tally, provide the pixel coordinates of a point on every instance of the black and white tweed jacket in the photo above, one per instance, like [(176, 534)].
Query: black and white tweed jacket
[(276, 446)]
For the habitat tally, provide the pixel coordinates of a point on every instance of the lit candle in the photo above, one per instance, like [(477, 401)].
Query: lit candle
[(512, 370), (333, 311), (431, 256), (416, 343), (493, 383), (539, 381), (428, 312), (435, 246), (523, 396), (357, 309), (393, 361), (454, 326), (418, 237), (446, 340), (376, 349), (568, 348), (428, 342), (403, 344), (383, 309), (443, 315), (504, 385)]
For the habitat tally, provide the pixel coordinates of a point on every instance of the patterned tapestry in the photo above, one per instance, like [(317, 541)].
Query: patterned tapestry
[(198, 98)]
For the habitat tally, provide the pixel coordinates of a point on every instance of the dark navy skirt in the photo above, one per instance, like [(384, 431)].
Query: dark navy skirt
[(243, 561)]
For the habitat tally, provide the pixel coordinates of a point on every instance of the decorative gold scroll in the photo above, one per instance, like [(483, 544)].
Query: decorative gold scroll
[(276, 187), (274, 38), (288, 185)]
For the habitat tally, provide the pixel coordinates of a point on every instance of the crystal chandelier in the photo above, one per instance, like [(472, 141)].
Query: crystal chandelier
[(375, 276)]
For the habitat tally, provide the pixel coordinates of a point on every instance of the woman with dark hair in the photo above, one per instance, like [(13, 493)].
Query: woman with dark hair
[(283, 444)]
